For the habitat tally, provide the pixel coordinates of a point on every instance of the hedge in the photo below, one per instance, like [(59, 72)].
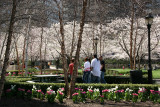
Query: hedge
[(29, 86), (115, 79), (17, 79), (44, 86), (20, 83), (109, 79)]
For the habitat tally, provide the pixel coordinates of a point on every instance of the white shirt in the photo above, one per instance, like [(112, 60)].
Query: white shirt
[(87, 66), (96, 67)]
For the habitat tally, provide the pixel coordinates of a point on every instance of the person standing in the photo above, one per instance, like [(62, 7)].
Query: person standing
[(95, 70), (86, 71), (103, 70), (70, 70)]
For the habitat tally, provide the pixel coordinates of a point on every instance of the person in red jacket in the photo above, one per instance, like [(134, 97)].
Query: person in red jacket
[(71, 67)]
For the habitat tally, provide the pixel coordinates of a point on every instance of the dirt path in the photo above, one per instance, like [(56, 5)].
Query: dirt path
[(12, 102)]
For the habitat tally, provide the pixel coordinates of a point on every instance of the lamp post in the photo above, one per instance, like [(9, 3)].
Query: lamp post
[(96, 42), (149, 21)]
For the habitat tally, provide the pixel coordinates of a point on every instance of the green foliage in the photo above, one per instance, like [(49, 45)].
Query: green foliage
[(32, 70), (15, 72), (50, 96), (121, 71), (134, 87), (60, 96), (21, 93), (111, 96), (102, 99), (156, 73), (90, 94), (20, 82), (125, 71), (115, 94), (17, 79), (134, 98), (75, 97), (127, 95), (12, 71), (28, 86)]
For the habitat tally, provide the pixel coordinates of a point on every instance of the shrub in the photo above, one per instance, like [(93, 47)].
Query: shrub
[(50, 95), (30, 70), (21, 93), (29, 94), (60, 95), (75, 97), (20, 82), (114, 94)]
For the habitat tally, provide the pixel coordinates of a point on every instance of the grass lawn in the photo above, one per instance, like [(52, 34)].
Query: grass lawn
[(121, 71), (17, 78), (155, 73)]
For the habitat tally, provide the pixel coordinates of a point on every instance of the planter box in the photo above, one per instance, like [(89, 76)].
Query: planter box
[(136, 76)]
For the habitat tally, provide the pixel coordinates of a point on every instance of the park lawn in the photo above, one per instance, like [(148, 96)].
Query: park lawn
[(17, 78), (121, 71), (155, 73)]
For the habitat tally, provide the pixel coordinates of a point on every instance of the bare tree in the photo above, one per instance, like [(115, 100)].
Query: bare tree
[(6, 59), (131, 36), (17, 53), (41, 50), (62, 42), (74, 75), (2, 47)]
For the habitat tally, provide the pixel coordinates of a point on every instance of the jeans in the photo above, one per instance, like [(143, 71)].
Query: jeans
[(87, 77), (102, 77), (69, 78), (95, 79)]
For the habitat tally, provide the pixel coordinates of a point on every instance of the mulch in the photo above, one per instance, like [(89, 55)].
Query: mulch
[(15, 102)]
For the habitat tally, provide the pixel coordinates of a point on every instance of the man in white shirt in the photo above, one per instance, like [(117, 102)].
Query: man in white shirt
[(87, 71), (95, 67)]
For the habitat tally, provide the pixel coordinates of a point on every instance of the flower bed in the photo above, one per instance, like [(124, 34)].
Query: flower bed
[(116, 94), (22, 93), (94, 94)]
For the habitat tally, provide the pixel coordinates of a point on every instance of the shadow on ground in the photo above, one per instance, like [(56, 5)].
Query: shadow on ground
[(14, 102)]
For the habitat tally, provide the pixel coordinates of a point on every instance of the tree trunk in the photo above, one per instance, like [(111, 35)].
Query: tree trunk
[(23, 55), (131, 36), (45, 52), (63, 51), (26, 49), (74, 76), (135, 43), (17, 55), (3, 46), (100, 40), (41, 51), (9, 40), (73, 36), (93, 36)]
